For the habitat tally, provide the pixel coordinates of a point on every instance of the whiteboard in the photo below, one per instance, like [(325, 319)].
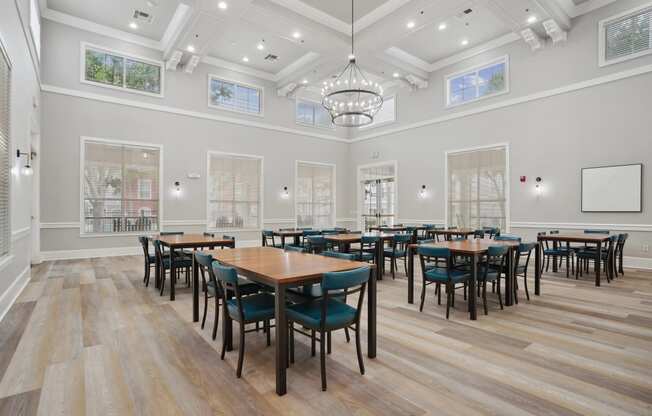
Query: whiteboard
[(612, 189)]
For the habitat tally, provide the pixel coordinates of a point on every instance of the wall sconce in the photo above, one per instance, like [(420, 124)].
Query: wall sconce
[(285, 194), (177, 188), (538, 187), (423, 193), (27, 169)]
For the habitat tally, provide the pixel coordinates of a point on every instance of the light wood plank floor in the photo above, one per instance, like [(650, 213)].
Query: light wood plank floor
[(86, 337)]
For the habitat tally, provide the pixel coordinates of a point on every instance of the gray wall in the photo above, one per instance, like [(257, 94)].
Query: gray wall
[(14, 270), (551, 137)]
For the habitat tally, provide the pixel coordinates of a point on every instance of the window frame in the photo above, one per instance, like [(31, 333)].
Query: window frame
[(602, 42), (261, 191), (35, 26), (477, 68), (6, 258), (314, 123), (334, 188), (385, 123), (504, 146), (159, 147), (82, 69), (261, 91)]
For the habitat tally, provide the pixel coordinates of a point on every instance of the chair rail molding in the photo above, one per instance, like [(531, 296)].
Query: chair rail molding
[(581, 226)]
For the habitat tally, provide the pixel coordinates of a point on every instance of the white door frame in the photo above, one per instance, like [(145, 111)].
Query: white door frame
[(393, 163), (35, 222), (507, 178)]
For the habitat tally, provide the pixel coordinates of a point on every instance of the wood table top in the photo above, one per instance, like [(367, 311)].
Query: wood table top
[(190, 240), (575, 238), (476, 246), (452, 231), (355, 237), (275, 266), (288, 232)]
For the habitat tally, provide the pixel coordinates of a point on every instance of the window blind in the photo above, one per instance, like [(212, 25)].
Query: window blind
[(5, 170), (628, 35), (120, 188), (476, 188), (315, 195), (234, 191), (312, 114)]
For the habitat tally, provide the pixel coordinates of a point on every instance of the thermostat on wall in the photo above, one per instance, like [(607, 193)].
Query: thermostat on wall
[(194, 176)]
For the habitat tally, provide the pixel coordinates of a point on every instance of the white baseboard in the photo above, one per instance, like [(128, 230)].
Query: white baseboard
[(8, 298), (112, 252), (637, 262)]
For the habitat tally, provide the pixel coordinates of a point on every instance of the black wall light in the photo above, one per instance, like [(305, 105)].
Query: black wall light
[(27, 169)]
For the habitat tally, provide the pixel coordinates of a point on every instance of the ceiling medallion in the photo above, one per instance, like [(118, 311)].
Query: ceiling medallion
[(351, 99)]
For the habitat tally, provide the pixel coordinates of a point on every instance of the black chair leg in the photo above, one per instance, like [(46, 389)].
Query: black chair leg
[(322, 358), (358, 348), (217, 316), (500, 296), (312, 342), (203, 319), (291, 335), (438, 290), (348, 337), (484, 297), (423, 296), (448, 301), (269, 333), (328, 342), (527, 292), (241, 348)]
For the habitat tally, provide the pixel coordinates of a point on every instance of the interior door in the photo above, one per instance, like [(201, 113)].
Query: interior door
[(379, 202)]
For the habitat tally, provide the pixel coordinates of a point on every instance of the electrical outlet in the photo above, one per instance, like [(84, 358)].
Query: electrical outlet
[(646, 248)]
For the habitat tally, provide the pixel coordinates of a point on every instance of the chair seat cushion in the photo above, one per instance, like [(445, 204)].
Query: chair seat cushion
[(254, 308), (390, 253), (492, 273), (338, 314), (439, 274), (180, 262), (365, 256)]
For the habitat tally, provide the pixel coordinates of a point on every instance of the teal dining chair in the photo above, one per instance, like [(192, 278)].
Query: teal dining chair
[(398, 250), (491, 269), (523, 255), (330, 313), (242, 309)]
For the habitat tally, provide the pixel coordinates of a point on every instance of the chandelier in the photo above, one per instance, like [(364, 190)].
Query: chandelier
[(351, 99)]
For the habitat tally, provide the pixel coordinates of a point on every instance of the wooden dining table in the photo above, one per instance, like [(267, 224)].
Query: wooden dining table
[(183, 241), (474, 249), (294, 233), (414, 229), (586, 238), (344, 242), (450, 232), (280, 270)]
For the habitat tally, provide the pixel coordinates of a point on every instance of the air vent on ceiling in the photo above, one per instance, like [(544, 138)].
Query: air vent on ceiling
[(464, 14), (271, 57), (142, 16)]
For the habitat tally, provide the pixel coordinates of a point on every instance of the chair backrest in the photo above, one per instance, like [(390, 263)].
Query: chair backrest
[(507, 237), (316, 243), (144, 242), (158, 253), (478, 234), (268, 236), (345, 280), (204, 259), (287, 229), (339, 255), (171, 233), (590, 231), (400, 241), (452, 227), (268, 233), (524, 250), (228, 237), (427, 241), (329, 231), (227, 280), (299, 249), (304, 228), (209, 234), (308, 232), (438, 252), (368, 242), (621, 241)]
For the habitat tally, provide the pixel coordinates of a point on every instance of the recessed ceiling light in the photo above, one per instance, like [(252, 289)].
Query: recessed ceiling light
[(260, 46), (532, 19), (133, 25), (222, 5), (296, 35), (442, 26), (305, 81), (245, 59), (410, 24), (396, 75), (190, 48), (465, 42)]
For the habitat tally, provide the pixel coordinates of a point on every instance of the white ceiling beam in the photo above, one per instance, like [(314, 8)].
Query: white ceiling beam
[(556, 12), (477, 50), (182, 15)]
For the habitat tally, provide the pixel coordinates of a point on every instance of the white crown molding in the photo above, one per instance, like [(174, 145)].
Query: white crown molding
[(221, 63), (581, 226), (93, 27), (20, 233), (378, 13), (8, 298), (513, 101), (188, 113)]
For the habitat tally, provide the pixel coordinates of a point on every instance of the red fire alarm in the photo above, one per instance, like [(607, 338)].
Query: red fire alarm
[(523, 178)]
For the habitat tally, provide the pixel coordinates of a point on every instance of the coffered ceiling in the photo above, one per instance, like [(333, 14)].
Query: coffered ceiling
[(299, 43)]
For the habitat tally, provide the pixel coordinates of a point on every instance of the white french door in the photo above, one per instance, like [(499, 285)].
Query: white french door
[(377, 195)]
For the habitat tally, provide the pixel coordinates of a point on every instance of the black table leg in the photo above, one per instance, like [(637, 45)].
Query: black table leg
[(297, 240), (380, 258), (598, 258), (474, 277), (282, 241), (281, 341), (555, 246), (509, 278), (371, 314), (195, 289), (410, 275), (157, 273), (173, 273), (537, 272)]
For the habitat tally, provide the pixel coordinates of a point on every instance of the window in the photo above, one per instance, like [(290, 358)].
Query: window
[(116, 70), (234, 191), (310, 113), (626, 36), (315, 198), (5, 170), (35, 25), (233, 96), (117, 187), (386, 114), (477, 188), (477, 83)]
